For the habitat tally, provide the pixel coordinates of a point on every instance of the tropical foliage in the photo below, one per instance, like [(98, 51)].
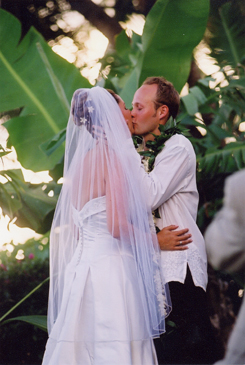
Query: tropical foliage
[(29, 204), (222, 150), (219, 110), (24, 296), (225, 34), (38, 85), (41, 84), (43, 97), (171, 32)]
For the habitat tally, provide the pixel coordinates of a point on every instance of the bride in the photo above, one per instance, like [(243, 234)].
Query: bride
[(107, 298)]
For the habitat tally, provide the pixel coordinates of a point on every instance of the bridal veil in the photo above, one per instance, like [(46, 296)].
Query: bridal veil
[(96, 165)]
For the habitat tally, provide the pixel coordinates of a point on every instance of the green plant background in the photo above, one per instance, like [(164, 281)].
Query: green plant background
[(23, 343), (36, 89)]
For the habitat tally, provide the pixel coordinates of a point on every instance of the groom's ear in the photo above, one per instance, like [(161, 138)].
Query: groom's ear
[(163, 112)]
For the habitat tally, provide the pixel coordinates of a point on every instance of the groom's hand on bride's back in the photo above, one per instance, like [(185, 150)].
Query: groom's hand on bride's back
[(171, 239)]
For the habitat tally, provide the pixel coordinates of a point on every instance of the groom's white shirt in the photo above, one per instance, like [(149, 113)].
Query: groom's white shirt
[(171, 187)]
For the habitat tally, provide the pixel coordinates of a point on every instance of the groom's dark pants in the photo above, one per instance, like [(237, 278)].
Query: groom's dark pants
[(191, 339)]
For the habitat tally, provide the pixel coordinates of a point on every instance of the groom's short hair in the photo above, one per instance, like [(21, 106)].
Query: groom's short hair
[(166, 94)]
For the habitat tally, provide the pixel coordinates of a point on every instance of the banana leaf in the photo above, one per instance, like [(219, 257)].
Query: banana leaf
[(3, 152), (226, 160), (172, 30), (225, 36), (41, 84), (38, 321), (29, 203)]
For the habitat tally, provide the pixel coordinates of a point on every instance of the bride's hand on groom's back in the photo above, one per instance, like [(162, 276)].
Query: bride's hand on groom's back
[(171, 239)]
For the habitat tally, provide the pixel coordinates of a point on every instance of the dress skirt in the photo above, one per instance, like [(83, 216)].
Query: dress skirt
[(101, 321)]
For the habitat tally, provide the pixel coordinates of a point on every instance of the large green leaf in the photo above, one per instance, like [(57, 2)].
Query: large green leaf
[(123, 76), (226, 160), (20, 302), (40, 82), (172, 30), (130, 88), (3, 152), (226, 33), (39, 321), (30, 204)]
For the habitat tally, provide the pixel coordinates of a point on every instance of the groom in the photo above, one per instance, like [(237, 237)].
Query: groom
[(171, 187)]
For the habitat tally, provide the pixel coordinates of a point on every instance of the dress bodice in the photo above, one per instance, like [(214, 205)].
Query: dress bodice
[(92, 207), (94, 235), (91, 219)]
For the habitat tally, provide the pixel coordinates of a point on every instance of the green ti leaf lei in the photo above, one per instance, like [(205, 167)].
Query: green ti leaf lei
[(156, 146)]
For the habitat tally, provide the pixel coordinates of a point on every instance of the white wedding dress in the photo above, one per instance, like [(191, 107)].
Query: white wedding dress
[(101, 321)]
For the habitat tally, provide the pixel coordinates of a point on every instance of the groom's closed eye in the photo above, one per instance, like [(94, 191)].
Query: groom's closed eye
[(137, 106)]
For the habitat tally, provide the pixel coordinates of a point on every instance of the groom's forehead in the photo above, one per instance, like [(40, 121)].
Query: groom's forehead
[(145, 94)]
